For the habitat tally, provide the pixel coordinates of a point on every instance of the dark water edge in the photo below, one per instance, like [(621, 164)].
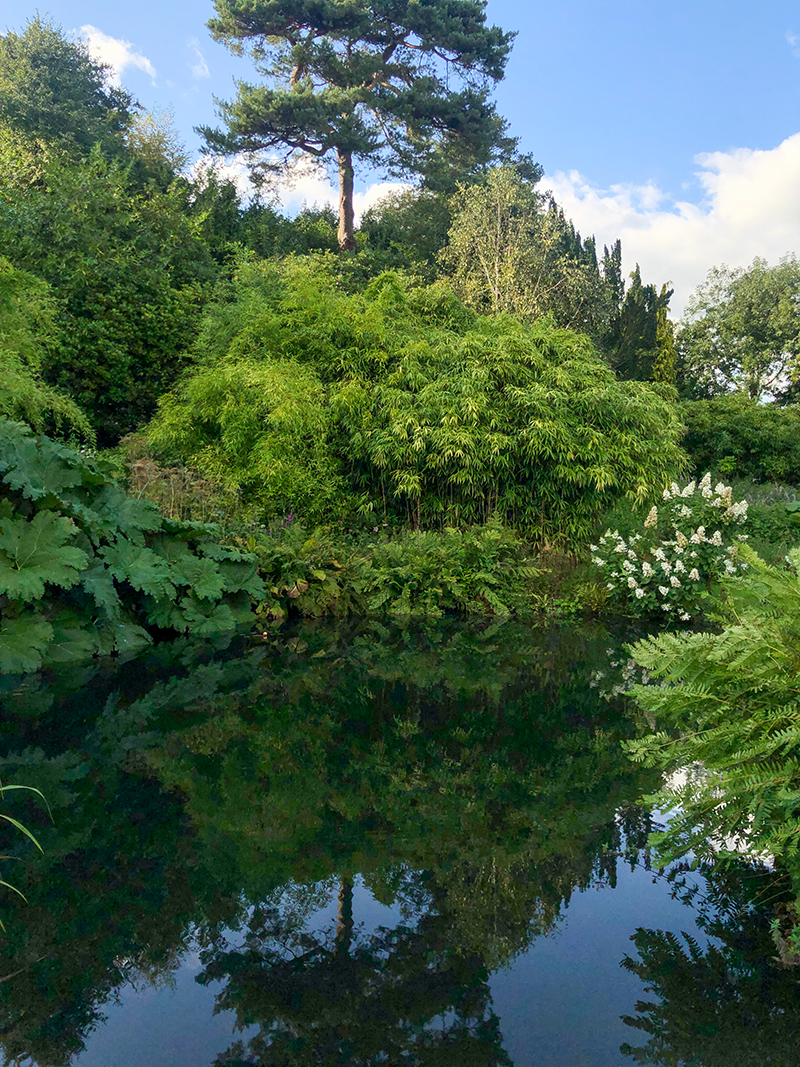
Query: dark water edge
[(365, 845)]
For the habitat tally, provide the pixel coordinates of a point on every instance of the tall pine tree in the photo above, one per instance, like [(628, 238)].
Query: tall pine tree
[(389, 82)]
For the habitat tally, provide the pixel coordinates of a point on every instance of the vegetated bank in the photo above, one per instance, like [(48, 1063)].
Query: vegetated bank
[(442, 417)]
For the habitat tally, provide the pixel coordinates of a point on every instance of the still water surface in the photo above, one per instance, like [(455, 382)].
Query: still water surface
[(366, 846)]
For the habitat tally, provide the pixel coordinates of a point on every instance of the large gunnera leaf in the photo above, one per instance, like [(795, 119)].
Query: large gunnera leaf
[(140, 567), (99, 584), (87, 570), (34, 471), (22, 643), (35, 553)]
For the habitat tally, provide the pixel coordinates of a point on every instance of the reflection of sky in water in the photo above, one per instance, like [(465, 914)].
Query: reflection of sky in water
[(165, 1027), (559, 1002)]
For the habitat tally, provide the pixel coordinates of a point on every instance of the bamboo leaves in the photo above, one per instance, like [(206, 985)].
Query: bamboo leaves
[(375, 403)]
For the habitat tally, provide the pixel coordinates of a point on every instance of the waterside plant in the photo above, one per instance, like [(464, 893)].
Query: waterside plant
[(86, 569), (686, 543), (724, 715)]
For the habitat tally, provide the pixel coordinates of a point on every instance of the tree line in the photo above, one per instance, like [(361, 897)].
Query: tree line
[(127, 247)]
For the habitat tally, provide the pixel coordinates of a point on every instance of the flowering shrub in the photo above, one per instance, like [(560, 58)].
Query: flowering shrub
[(687, 543)]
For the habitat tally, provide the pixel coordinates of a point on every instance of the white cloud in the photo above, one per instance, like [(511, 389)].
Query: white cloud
[(793, 40), (304, 184), (749, 208), (118, 54), (199, 67), (236, 171), (373, 195), (314, 188)]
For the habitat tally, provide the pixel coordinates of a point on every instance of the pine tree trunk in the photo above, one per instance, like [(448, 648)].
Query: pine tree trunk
[(347, 241), (344, 917)]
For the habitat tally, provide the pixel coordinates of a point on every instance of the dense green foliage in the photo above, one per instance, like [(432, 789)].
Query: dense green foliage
[(86, 569), (742, 332), (26, 329), (407, 231), (126, 272), (479, 571), (727, 720), (640, 340), (482, 570), (509, 251), (259, 426), (401, 402), (735, 435), (51, 88)]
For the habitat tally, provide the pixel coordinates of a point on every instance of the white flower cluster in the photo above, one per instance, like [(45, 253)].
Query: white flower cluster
[(670, 572), (622, 674)]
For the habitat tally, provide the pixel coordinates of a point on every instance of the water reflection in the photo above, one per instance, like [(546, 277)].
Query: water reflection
[(727, 1003), (471, 780), (345, 995)]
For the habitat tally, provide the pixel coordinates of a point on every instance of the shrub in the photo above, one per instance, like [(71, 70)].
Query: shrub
[(260, 428), (127, 274), (86, 569), (727, 712), (401, 402), (774, 524), (735, 435), (26, 327), (482, 570), (525, 423), (308, 572), (686, 544)]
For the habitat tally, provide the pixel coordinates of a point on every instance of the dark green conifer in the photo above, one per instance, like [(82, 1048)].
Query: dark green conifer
[(51, 88)]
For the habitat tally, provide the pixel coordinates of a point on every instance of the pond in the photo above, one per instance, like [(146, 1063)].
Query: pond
[(366, 845)]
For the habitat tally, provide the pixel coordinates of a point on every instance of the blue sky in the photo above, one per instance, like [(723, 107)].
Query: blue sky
[(631, 91), (676, 126)]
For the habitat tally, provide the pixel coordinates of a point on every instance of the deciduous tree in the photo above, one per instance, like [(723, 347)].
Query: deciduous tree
[(509, 251), (742, 331)]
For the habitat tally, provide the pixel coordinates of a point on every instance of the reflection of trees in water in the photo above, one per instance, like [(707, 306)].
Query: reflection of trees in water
[(727, 1003), (109, 902), (406, 995), (473, 779)]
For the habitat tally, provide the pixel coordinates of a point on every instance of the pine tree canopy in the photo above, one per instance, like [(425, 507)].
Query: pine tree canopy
[(388, 81)]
